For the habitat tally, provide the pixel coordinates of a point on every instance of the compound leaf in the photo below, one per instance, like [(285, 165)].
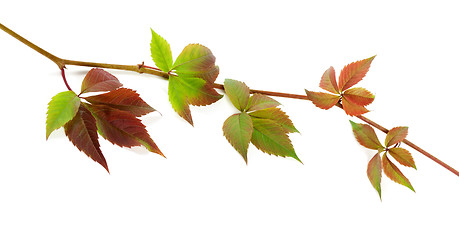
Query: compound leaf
[(394, 173), (359, 96), (61, 109), (396, 135), (402, 156), (277, 116), (322, 100), (122, 128), (82, 132), (259, 101), (328, 81), (374, 170), (270, 137), (353, 73), (123, 99), (238, 130), (366, 136), (237, 92), (161, 52), (98, 80)]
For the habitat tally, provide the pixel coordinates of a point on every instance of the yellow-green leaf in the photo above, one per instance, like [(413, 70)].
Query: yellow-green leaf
[(374, 172), (278, 116), (161, 52), (237, 92), (238, 130), (61, 109)]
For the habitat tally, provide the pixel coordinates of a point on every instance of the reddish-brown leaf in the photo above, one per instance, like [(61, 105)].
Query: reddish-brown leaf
[(396, 135), (98, 80), (351, 108), (359, 96), (123, 99), (366, 136), (394, 173), (353, 73), (328, 81), (322, 100), (122, 128), (82, 132), (402, 156), (374, 170)]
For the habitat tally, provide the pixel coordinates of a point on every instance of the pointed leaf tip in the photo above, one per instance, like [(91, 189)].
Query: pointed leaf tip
[(328, 81), (62, 108), (394, 173), (161, 52), (237, 92), (374, 170), (322, 100), (353, 73), (99, 80), (396, 135), (366, 136), (238, 130)]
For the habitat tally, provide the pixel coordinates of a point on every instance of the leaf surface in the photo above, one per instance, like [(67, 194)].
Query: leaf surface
[(366, 136), (374, 170), (194, 59), (82, 132), (123, 99), (402, 156), (270, 137), (61, 109), (259, 101), (396, 135), (394, 173), (238, 130), (323, 100), (278, 116), (351, 108), (328, 81), (98, 80), (353, 73), (161, 52), (359, 96), (237, 92), (178, 99), (122, 128)]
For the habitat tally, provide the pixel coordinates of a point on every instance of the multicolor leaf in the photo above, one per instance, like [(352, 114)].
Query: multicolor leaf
[(259, 101), (123, 99), (98, 80), (359, 96), (61, 109), (161, 52), (238, 130), (394, 173), (396, 135), (328, 81), (270, 137), (178, 99), (374, 170), (122, 128), (353, 73), (82, 132), (366, 136), (237, 92), (194, 59), (323, 100), (351, 108), (402, 156), (277, 116)]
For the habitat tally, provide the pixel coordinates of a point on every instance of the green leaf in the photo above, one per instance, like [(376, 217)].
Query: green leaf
[(402, 156), (161, 52), (366, 136), (374, 170), (396, 135), (270, 137), (99, 80), (194, 59), (394, 173), (238, 130), (178, 99), (82, 132), (259, 101), (61, 109), (237, 92), (277, 116)]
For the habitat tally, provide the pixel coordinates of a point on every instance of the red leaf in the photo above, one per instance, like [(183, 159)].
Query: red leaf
[(353, 73), (396, 135), (374, 170), (359, 96), (366, 136), (82, 132), (123, 99), (394, 173), (322, 100), (328, 81), (98, 80), (122, 128), (351, 108), (402, 156)]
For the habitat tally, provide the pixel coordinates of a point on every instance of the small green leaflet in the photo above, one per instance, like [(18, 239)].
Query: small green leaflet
[(191, 76), (61, 109), (366, 136), (260, 122)]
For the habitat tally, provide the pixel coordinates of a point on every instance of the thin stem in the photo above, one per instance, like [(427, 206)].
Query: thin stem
[(65, 80), (141, 68)]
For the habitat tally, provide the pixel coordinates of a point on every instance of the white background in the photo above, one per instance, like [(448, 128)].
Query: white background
[(204, 190)]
